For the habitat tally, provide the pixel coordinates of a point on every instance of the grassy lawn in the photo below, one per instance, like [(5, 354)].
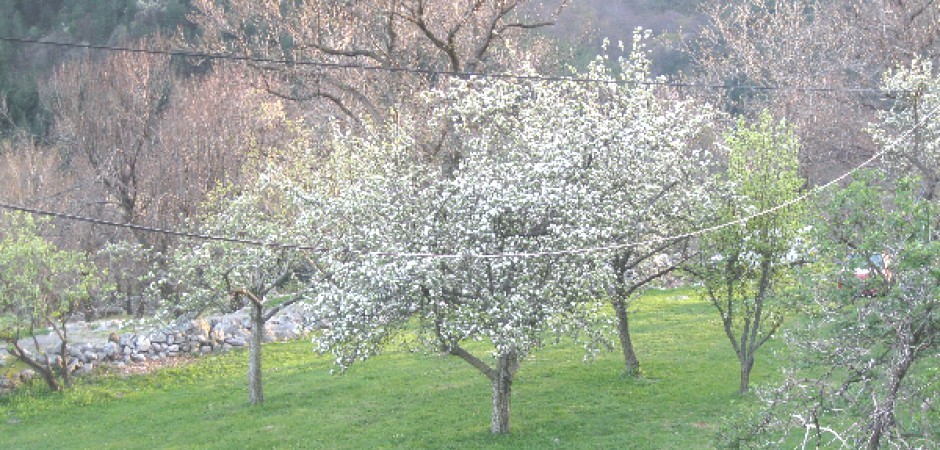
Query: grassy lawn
[(408, 400)]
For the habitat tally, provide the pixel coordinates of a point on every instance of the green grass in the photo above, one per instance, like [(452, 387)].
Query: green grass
[(407, 400)]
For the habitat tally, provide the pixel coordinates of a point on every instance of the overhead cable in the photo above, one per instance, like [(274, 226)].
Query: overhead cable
[(444, 73)]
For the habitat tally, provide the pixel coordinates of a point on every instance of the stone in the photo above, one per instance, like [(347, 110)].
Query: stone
[(138, 357), (200, 327), (27, 375), (218, 333), (284, 330), (237, 341), (109, 349), (159, 338), (142, 344), (173, 348), (205, 349)]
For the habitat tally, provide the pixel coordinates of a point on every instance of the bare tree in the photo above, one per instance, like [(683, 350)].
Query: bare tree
[(812, 44), (107, 114), (392, 35)]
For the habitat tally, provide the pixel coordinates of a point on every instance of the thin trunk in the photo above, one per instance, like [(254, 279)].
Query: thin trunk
[(746, 365), (883, 415), (623, 330), (62, 333), (45, 370), (255, 393), (506, 366), (64, 359)]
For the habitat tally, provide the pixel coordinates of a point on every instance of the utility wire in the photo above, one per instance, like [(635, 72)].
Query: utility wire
[(447, 73), (470, 255), (157, 230)]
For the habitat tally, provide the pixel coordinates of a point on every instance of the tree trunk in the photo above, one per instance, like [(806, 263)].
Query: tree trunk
[(506, 366), (64, 359), (45, 370), (623, 330), (255, 393), (747, 364)]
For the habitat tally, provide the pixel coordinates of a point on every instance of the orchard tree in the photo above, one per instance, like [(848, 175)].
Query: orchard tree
[(500, 201), (219, 275), (543, 168), (746, 269), (41, 287), (639, 169), (864, 374)]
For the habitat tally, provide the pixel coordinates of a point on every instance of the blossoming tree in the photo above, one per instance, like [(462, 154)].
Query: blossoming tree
[(540, 168)]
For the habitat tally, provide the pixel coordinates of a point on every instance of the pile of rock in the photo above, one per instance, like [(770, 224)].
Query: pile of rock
[(197, 336)]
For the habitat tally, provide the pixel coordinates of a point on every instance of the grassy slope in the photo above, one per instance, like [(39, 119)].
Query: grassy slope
[(410, 400)]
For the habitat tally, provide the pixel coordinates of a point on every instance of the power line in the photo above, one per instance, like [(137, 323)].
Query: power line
[(471, 255), (157, 230), (445, 73)]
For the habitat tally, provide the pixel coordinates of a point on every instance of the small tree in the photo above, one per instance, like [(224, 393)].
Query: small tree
[(220, 275), (746, 269), (41, 287)]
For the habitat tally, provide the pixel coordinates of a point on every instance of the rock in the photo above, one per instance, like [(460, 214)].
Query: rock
[(109, 349), (205, 349), (218, 333), (234, 329), (143, 344), (138, 357), (173, 348), (200, 327), (237, 341), (26, 375), (159, 338), (285, 330)]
